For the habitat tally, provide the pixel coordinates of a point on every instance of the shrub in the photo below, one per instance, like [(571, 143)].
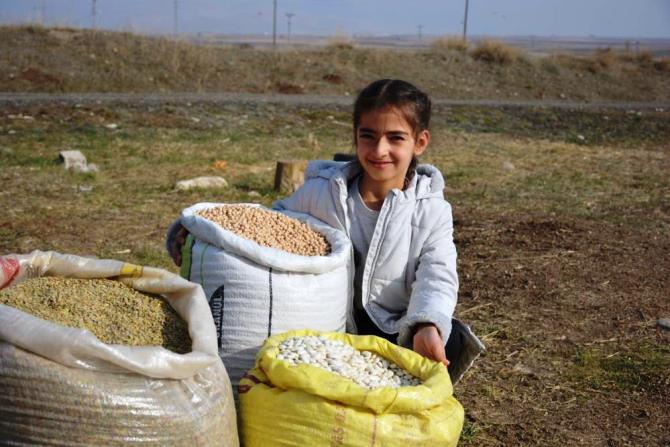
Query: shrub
[(662, 64), (603, 58), (495, 52), (645, 58), (549, 65), (450, 44), (340, 43)]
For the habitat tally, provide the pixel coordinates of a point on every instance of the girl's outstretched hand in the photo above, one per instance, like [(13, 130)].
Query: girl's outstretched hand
[(177, 243), (428, 343)]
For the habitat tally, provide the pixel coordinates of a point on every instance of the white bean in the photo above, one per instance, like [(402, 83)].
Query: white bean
[(363, 367)]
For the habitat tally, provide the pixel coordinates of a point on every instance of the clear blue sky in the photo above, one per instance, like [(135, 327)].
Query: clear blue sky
[(607, 18)]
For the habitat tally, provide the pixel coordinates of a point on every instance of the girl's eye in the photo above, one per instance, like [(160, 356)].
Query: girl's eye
[(365, 136)]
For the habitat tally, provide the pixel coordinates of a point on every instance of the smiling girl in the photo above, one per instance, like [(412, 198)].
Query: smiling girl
[(394, 211)]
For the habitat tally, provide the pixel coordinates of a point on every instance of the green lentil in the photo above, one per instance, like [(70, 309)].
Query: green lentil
[(113, 312)]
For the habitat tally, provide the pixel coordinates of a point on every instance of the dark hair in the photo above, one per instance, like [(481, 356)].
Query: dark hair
[(409, 100), (414, 105)]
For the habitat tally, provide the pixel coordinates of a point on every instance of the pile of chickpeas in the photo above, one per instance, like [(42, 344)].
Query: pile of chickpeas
[(269, 229)]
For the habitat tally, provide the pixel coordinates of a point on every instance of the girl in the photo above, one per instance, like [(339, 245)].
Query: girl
[(394, 211)]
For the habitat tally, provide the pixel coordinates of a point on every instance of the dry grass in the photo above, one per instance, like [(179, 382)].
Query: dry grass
[(545, 224), (613, 63), (450, 43), (68, 60), (340, 44), (496, 52), (662, 64)]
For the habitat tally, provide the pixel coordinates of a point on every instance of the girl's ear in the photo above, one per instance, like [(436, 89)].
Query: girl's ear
[(421, 143)]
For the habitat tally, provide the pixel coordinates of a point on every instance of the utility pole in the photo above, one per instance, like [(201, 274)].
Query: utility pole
[(420, 28), (289, 16), (274, 24), (93, 14), (465, 21), (43, 12), (176, 18)]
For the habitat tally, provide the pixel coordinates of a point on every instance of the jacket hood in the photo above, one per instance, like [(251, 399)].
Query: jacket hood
[(428, 181)]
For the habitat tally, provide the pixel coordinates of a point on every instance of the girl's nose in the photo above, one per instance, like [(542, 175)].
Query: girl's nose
[(382, 146)]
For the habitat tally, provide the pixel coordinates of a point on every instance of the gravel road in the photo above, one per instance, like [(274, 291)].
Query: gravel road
[(18, 99)]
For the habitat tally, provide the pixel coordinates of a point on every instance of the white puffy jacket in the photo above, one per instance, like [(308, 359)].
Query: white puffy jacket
[(410, 272)]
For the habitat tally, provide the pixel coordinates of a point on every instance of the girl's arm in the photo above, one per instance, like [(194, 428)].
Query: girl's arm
[(435, 288)]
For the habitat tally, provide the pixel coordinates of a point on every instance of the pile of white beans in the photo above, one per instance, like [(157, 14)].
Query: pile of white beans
[(363, 367)]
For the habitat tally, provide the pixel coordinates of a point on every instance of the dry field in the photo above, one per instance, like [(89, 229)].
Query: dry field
[(562, 223), (38, 59)]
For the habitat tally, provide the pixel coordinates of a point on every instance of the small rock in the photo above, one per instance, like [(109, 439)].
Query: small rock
[(254, 194), (581, 137), (112, 126), (523, 370), (664, 323), (72, 159), (201, 182), (508, 166), (517, 370), (88, 168)]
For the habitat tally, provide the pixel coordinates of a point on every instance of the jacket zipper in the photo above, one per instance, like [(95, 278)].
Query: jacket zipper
[(382, 234), (342, 185)]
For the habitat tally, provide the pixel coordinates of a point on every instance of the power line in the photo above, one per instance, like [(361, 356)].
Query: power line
[(176, 18), (274, 24), (289, 16), (39, 12), (93, 14)]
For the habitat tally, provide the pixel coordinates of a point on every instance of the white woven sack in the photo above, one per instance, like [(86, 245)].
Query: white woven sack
[(255, 292), (62, 386)]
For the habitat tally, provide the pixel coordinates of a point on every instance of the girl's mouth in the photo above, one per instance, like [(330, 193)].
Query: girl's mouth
[(380, 163)]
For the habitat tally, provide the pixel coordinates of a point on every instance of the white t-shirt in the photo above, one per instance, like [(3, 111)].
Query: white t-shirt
[(363, 221)]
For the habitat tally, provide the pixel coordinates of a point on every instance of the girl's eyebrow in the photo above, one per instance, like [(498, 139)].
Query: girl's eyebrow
[(392, 132), (366, 129)]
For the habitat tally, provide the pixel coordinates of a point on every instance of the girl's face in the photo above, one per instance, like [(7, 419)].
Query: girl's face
[(385, 145)]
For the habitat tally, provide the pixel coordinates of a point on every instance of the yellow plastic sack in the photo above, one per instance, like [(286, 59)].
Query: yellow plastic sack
[(285, 405)]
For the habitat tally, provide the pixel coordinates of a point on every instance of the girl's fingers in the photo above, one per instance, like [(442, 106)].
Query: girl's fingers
[(427, 342), (177, 244)]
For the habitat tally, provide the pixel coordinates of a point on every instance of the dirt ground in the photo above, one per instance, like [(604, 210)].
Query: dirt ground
[(551, 292), (562, 222)]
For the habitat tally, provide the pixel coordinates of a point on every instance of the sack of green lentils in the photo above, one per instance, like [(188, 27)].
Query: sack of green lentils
[(101, 352)]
